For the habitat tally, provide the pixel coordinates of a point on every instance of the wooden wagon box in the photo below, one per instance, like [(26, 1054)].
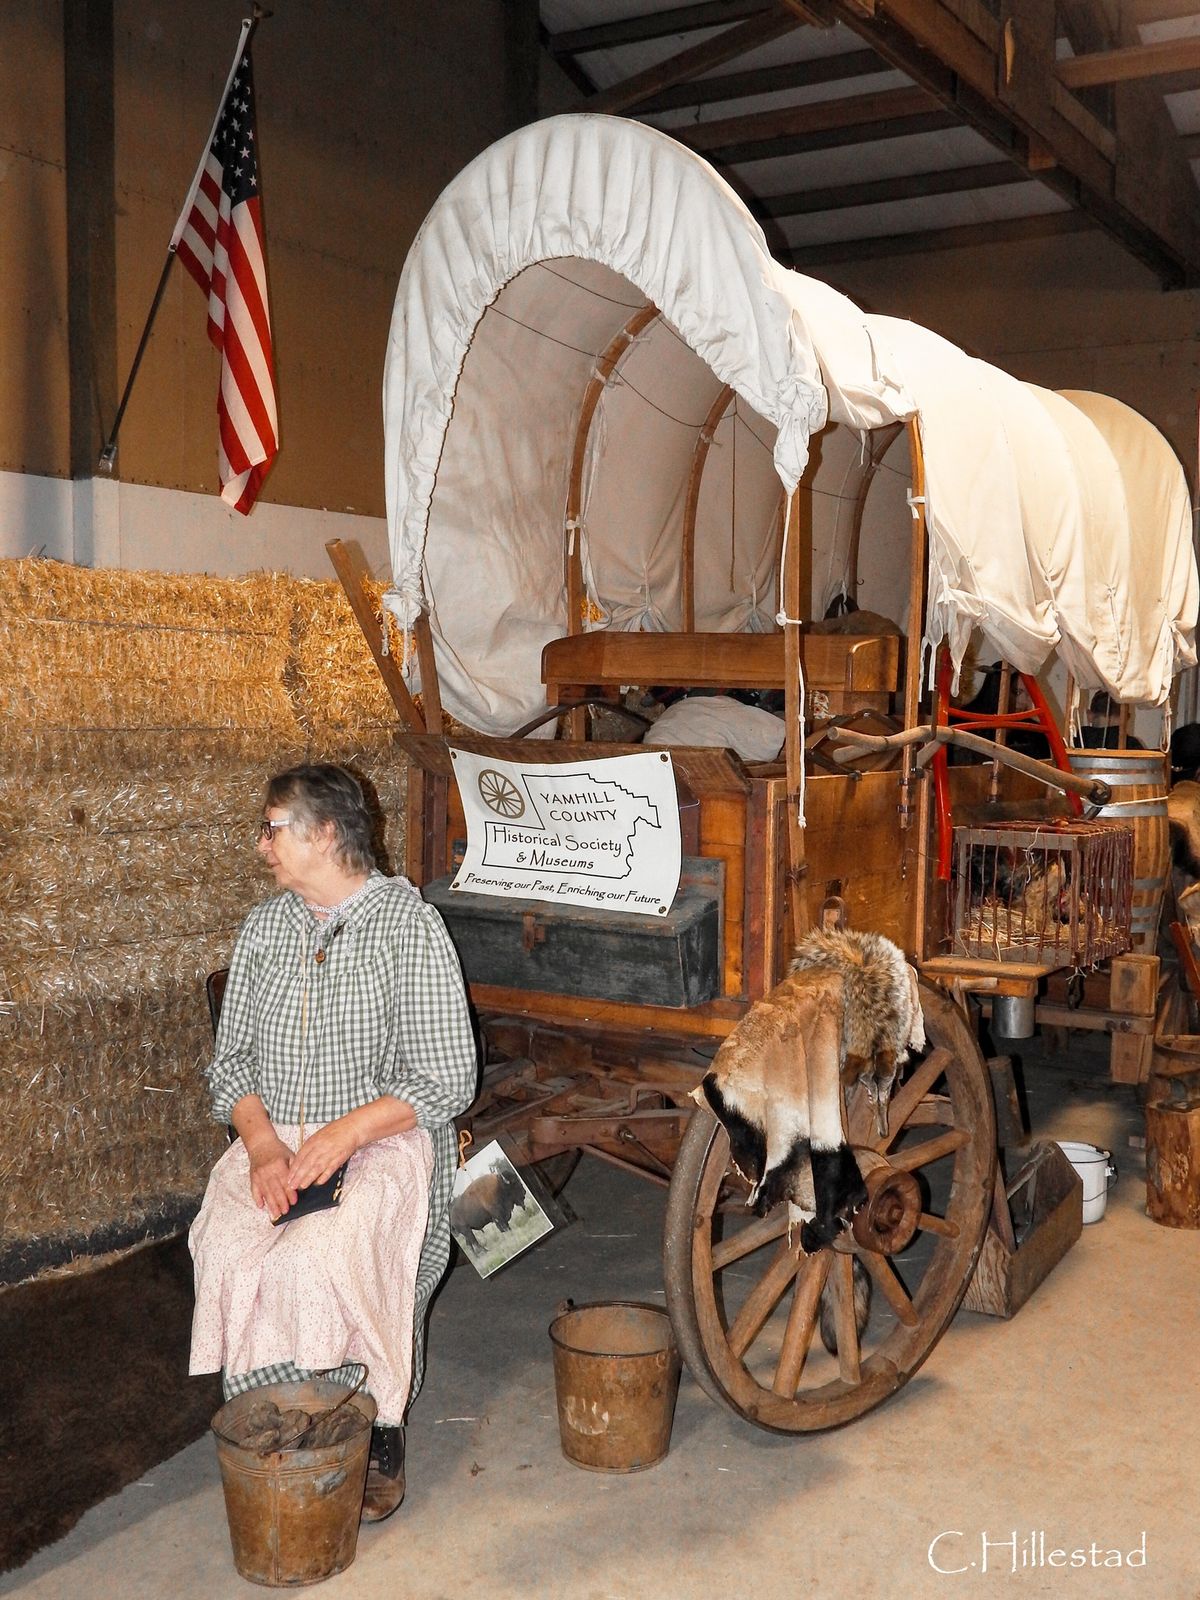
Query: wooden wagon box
[(672, 960)]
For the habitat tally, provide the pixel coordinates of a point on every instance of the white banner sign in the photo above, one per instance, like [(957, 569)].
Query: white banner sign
[(601, 833)]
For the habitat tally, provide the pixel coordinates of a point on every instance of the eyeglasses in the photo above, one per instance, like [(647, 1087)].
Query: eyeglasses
[(267, 828)]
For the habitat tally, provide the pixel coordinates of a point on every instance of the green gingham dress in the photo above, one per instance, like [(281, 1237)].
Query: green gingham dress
[(386, 1015)]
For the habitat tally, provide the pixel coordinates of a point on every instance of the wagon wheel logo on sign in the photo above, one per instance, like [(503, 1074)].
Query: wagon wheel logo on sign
[(500, 794)]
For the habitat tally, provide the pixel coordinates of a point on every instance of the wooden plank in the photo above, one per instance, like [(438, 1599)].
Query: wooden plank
[(351, 567), (1090, 1021), (711, 1021), (1006, 1276), (414, 827), (1131, 1056), (855, 850), (972, 235), (758, 931), (657, 25), (723, 837), (831, 661), (802, 120), (431, 697), (1019, 973), (692, 63), (785, 79), (879, 191), (1133, 985), (1131, 61)]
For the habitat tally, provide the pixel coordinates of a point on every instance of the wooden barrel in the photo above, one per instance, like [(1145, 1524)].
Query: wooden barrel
[(1138, 780)]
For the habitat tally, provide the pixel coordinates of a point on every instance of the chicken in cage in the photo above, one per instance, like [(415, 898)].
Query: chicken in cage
[(1058, 893)]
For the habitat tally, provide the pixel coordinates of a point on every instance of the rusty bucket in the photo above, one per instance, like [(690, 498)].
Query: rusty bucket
[(616, 1376), (293, 1514)]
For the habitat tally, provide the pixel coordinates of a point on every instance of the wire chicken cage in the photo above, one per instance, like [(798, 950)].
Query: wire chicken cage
[(1058, 893)]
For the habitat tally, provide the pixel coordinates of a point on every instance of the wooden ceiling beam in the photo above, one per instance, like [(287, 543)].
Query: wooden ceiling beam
[(1134, 61), (1012, 231), (766, 80), (797, 122), (658, 25), (714, 52), (1000, 77), (1159, 10), (881, 191), (857, 133)]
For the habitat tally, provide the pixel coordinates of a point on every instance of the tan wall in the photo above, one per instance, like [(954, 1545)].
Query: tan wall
[(1075, 312), (365, 112), (34, 408)]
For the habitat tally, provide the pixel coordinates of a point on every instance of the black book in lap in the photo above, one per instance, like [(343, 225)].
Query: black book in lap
[(317, 1197)]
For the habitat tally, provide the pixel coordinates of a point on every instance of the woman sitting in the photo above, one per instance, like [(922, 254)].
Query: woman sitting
[(344, 1036)]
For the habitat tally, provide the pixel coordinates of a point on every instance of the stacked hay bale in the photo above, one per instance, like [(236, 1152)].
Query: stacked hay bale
[(142, 713)]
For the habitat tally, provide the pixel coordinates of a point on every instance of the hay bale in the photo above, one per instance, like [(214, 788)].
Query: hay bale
[(143, 715)]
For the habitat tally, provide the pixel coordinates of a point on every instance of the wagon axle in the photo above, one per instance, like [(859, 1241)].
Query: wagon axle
[(892, 1213)]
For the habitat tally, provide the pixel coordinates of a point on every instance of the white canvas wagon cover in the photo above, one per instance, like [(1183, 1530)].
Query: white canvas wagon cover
[(529, 269)]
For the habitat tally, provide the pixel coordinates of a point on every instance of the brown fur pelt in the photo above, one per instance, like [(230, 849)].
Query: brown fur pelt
[(847, 1010)]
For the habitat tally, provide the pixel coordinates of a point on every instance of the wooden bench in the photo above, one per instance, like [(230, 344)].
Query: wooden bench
[(856, 672)]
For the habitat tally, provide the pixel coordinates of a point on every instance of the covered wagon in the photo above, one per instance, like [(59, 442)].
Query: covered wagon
[(624, 447)]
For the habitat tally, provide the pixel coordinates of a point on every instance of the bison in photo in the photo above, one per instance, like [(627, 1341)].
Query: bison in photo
[(492, 1198)]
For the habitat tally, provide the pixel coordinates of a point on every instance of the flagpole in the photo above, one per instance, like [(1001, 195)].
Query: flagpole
[(108, 454)]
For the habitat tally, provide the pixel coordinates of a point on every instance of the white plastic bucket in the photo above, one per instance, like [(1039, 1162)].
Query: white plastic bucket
[(1097, 1172)]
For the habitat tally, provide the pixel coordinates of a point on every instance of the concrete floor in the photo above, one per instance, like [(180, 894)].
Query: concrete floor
[(1075, 1420)]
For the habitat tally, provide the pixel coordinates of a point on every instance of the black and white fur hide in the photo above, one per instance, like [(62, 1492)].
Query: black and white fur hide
[(848, 1010)]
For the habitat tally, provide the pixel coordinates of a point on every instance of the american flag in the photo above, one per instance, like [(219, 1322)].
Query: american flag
[(219, 239)]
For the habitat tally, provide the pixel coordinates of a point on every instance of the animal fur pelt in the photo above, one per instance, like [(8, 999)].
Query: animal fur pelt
[(848, 1010), (1183, 817)]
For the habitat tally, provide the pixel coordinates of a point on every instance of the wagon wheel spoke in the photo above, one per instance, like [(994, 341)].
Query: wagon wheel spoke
[(939, 1225), (912, 1092), (929, 1150), (763, 1298), (750, 1343), (752, 1237), (848, 1352), (801, 1323), (883, 1275)]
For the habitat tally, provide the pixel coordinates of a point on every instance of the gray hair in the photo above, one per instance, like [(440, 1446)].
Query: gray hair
[(320, 792)]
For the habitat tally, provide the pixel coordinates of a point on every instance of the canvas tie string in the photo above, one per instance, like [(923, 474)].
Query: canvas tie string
[(784, 621)]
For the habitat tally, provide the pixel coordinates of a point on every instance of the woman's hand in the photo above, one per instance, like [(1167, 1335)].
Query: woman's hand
[(323, 1152), (270, 1183), (269, 1156)]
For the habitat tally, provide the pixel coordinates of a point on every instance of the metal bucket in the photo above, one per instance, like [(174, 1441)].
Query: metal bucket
[(293, 1514), (616, 1376), (1138, 780)]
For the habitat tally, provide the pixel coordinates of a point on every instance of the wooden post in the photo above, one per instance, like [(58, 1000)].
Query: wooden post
[(431, 694), (794, 743), (351, 567), (912, 692)]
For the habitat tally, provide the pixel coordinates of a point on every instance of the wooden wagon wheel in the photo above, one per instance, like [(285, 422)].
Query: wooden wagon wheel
[(745, 1302)]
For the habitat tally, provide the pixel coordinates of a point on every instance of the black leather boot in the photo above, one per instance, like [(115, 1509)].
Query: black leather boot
[(385, 1473)]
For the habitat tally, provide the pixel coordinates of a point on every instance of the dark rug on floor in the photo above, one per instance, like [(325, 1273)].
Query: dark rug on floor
[(93, 1389)]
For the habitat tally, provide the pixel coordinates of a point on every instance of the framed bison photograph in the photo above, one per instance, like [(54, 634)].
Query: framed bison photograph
[(495, 1215)]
